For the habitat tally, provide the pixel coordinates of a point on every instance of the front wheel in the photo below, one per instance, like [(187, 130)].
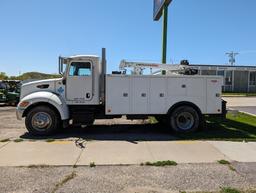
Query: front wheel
[(184, 119), (42, 120)]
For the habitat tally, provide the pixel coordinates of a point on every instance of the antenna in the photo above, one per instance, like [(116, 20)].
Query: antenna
[(232, 57)]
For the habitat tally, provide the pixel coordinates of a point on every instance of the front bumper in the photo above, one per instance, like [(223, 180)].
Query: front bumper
[(19, 113)]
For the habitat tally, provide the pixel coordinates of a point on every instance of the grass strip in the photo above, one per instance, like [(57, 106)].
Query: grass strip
[(4, 140), (224, 162), (160, 163)]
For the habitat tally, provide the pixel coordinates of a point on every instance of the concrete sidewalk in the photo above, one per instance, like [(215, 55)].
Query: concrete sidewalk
[(240, 101), (65, 153)]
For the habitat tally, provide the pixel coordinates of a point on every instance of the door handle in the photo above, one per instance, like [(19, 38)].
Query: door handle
[(125, 94), (88, 95)]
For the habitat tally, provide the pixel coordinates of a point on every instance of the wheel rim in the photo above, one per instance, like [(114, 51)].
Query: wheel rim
[(185, 121), (41, 121)]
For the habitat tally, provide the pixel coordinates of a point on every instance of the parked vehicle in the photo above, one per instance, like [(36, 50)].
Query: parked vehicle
[(13, 95), (86, 92), (3, 89), (9, 92)]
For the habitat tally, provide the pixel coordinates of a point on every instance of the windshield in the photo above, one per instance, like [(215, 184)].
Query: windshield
[(3, 85)]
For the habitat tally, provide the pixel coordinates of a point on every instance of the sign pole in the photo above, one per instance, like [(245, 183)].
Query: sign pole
[(164, 43)]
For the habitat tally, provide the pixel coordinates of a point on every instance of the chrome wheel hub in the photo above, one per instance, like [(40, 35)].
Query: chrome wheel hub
[(185, 121), (41, 121)]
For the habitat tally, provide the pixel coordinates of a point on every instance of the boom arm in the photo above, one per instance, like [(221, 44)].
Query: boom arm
[(138, 67)]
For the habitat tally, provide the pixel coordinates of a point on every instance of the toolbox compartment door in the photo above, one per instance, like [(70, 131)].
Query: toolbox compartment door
[(214, 101), (118, 96)]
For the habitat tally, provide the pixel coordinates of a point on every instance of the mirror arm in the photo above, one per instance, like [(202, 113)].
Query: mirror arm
[(64, 81)]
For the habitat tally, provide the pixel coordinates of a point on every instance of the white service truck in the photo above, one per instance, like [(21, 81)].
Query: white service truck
[(86, 92)]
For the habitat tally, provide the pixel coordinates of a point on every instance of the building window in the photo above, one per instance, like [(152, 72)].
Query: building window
[(252, 79), (208, 72), (220, 73), (228, 78)]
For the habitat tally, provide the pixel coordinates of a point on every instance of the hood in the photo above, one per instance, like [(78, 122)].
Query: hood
[(40, 85)]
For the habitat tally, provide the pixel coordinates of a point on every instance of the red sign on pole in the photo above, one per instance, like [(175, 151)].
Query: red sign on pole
[(158, 7)]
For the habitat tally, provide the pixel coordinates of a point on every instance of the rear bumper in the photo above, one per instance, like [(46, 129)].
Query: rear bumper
[(224, 109), (19, 113)]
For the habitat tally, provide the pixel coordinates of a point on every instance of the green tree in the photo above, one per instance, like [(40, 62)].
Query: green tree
[(12, 77), (3, 76)]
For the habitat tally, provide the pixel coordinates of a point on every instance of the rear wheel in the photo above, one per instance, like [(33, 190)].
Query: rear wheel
[(184, 119), (42, 120)]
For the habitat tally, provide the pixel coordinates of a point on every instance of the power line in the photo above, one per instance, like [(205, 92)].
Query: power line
[(232, 57)]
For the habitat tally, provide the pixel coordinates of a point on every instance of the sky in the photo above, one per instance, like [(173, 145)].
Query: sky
[(33, 33)]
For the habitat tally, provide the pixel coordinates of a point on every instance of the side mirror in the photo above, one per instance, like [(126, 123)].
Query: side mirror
[(60, 65)]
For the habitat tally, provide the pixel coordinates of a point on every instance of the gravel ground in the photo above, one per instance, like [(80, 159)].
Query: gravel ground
[(128, 179)]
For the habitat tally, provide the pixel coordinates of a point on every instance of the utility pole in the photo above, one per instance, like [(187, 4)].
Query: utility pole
[(232, 57), (165, 24)]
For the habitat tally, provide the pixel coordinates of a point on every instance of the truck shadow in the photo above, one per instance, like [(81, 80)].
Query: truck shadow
[(213, 130), (123, 132)]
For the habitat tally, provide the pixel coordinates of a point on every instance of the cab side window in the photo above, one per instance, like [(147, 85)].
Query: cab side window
[(80, 69)]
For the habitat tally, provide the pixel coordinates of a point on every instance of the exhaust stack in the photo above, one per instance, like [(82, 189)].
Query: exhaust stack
[(102, 76)]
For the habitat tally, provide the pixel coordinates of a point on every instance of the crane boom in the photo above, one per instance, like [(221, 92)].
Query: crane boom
[(138, 67)]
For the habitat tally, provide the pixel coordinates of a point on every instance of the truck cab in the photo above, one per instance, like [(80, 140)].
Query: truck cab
[(80, 83), (65, 98)]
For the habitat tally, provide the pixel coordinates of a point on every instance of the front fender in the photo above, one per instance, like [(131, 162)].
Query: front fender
[(47, 97)]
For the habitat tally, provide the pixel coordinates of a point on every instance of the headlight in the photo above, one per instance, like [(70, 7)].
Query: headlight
[(23, 104)]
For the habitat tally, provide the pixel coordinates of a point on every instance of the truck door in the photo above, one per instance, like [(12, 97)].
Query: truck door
[(79, 84)]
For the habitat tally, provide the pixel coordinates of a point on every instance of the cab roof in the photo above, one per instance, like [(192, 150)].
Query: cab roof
[(82, 56)]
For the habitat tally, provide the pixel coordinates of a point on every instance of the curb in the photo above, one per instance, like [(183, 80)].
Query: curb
[(231, 109), (248, 113)]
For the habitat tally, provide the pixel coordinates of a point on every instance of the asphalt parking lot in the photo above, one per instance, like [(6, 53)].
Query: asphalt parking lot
[(240, 101), (116, 129), (243, 104)]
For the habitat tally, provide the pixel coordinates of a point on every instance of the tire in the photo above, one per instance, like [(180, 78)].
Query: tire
[(185, 119), (42, 120)]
